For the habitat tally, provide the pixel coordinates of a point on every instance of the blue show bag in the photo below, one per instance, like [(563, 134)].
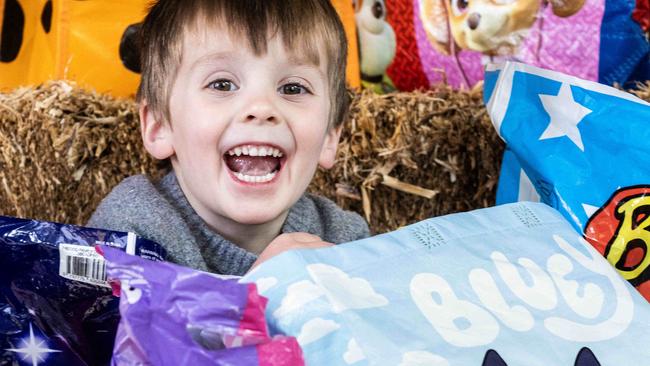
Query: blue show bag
[(56, 307), (580, 147), (509, 285)]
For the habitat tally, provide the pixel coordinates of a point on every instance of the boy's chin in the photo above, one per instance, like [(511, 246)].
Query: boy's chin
[(257, 216)]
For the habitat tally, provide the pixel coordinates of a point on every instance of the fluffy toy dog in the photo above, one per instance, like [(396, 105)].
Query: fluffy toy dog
[(493, 27), (377, 43)]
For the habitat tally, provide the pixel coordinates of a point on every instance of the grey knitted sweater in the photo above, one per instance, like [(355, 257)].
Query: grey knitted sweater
[(160, 212)]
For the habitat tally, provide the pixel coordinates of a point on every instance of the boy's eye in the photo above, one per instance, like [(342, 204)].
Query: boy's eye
[(293, 89), (223, 85)]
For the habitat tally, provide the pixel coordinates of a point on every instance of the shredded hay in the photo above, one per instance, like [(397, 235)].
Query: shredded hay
[(63, 149), (403, 157)]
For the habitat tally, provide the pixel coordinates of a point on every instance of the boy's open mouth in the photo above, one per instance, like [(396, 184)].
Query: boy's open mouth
[(253, 163)]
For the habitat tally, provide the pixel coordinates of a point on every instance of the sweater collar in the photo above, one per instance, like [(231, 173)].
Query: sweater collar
[(215, 248)]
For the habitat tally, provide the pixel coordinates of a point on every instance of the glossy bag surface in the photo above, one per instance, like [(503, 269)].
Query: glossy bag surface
[(56, 306), (172, 315), (508, 285), (580, 147)]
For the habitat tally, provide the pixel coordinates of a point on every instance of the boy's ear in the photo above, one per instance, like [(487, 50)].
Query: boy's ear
[(156, 134), (328, 152)]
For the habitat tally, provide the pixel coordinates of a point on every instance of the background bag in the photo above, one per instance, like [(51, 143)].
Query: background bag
[(91, 42), (435, 40), (579, 147)]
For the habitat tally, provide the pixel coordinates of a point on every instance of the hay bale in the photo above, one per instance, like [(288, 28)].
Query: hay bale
[(405, 157), (63, 149)]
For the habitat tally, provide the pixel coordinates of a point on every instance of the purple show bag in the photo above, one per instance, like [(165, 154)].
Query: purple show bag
[(173, 315)]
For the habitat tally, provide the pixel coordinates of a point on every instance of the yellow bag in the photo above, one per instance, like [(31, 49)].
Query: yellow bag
[(80, 40)]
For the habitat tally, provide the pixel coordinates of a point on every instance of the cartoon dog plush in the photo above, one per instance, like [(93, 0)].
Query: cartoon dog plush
[(377, 43), (493, 27)]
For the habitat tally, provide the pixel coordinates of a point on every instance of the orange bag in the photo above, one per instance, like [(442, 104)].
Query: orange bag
[(80, 40)]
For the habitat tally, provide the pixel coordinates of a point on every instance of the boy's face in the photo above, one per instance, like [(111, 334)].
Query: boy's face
[(228, 105)]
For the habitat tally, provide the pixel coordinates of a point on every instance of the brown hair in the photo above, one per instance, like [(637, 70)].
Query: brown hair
[(304, 25)]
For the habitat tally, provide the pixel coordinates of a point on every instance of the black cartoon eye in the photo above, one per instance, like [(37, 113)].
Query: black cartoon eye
[(13, 26), (129, 49), (46, 17), (378, 10), (458, 7)]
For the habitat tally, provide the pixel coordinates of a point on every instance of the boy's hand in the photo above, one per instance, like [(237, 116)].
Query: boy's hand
[(290, 241)]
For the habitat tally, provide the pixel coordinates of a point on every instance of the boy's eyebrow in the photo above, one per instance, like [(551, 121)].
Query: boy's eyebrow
[(294, 60), (304, 62), (211, 57)]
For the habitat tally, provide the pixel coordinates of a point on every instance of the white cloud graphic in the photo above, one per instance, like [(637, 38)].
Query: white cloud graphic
[(344, 292), (422, 358), (316, 329), (354, 353), (263, 284), (298, 294)]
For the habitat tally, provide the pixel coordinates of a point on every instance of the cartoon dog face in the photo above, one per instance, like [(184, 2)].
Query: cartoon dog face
[(377, 42), (494, 27)]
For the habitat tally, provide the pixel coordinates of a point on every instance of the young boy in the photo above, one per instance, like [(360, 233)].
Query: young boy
[(246, 98)]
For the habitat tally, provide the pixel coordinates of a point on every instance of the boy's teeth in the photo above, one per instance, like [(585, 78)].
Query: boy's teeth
[(255, 151), (255, 178)]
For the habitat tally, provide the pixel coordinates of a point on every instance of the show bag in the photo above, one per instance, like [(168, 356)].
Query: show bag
[(201, 318), (56, 306), (580, 147), (508, 285)]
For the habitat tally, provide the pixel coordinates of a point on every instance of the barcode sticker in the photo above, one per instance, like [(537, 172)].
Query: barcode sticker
[(83, 264)]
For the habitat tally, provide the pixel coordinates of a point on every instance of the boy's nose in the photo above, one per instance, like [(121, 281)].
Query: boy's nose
[(261, 111), (257, 117)]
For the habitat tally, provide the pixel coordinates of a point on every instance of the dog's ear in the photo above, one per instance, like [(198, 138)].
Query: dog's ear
[(433, 15), (566, 8)]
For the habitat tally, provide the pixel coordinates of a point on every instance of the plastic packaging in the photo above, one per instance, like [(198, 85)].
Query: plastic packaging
[(451, 41), (581, 148), (172, 315), (56, 307), (508, 285)]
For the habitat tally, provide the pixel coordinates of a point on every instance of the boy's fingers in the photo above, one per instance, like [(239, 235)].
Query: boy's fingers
[(290, 241), (300, 237), (295, 242), (293, 239)]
